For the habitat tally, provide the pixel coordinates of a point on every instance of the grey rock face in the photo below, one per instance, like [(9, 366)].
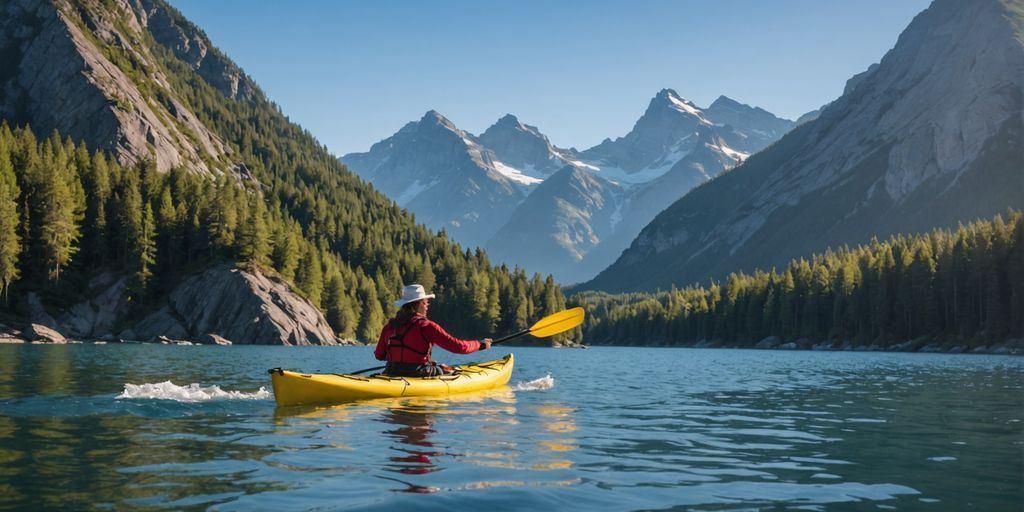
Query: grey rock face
[(37, 313), (929, 138), (96, 316), (56, 76), (244, 307), (173, 31)]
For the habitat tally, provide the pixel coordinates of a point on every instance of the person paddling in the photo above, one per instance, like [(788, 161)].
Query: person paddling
[(407, 339)]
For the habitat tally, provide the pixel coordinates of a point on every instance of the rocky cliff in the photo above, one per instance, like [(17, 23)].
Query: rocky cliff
[(87, 69), (929, 138), (244, 307)]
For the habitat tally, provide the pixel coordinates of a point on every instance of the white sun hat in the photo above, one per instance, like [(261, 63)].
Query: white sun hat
[(412, 293)]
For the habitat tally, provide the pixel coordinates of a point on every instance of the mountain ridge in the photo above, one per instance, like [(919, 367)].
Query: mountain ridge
[(901, 151)]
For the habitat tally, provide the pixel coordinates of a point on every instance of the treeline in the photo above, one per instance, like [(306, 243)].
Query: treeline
[(962, 287), (66, 212)]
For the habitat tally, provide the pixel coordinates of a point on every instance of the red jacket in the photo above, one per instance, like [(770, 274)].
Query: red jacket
[(412, 342)]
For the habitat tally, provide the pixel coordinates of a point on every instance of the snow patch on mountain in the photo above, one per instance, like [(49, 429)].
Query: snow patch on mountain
[(514, 174)]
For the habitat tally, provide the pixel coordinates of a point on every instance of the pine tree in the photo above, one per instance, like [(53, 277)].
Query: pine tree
[(145, 249), (59, 231), (254, 245), (372, 320), (311, 277), (10, 242)]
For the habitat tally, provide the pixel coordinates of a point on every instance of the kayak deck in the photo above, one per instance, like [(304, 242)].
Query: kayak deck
[(294, 388)]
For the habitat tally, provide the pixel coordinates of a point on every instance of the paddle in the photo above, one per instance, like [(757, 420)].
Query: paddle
[(547, 326)]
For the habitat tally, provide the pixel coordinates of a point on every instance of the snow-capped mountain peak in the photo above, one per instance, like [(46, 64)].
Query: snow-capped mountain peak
[(681, 105)]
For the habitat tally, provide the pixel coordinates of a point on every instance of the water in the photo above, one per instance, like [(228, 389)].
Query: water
[(153, 426)]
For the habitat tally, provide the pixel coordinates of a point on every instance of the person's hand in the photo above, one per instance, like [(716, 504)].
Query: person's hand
[(445, 368), (485, 343)]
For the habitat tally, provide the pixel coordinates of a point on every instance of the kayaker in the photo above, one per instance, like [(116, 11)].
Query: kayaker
[(407, 339)]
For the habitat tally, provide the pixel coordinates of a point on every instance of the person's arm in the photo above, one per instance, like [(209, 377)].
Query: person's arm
[(433, 333), (381, 351)]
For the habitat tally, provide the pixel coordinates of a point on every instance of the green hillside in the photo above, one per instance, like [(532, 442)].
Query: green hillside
[(291, 208)]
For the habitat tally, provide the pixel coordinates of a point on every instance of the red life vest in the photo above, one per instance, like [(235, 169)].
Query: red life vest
[(408, 345)]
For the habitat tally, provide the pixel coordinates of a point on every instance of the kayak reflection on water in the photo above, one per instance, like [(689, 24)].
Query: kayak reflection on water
[(413, 430)]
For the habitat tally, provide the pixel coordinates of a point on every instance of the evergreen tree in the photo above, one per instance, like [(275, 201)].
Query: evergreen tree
[(372, 320), (58, 230), (311, 277), (146, 249), (254, 245), (10, 242)]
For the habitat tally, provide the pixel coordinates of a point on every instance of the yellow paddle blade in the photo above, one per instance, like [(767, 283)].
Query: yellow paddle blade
[(557, 323)]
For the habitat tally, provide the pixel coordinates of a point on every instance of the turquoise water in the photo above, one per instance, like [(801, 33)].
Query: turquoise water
[(619, 429)]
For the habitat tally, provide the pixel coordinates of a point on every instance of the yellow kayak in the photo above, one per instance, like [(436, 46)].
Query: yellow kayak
[(294, 388)]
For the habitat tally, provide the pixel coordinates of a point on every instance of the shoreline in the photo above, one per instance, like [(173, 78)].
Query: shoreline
[(1012, 347)]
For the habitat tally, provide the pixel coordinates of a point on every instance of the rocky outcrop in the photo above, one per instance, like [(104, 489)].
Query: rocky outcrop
[(43, 334), (37, 313), (96, 316), (239, 306), (173, 31)]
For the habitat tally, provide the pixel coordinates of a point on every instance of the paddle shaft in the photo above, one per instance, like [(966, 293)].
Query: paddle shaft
[(503, 339)]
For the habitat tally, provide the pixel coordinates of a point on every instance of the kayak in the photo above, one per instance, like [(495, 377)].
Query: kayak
[(294, 388)]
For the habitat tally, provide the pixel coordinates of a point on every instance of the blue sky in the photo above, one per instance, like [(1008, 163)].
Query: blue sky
[(353, 72)]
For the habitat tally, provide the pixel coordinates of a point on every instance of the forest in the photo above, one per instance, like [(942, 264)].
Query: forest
[(948, 288), (67, 213)]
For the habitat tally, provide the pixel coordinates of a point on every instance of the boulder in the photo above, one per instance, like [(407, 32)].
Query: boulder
[(213, 339), (97, 315), (162, 322), (42, 333), (164, 340), (245, 307), (769, 342), (10, 335)]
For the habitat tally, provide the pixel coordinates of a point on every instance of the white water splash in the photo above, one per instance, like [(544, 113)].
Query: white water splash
[(168, 390), (537, 385)]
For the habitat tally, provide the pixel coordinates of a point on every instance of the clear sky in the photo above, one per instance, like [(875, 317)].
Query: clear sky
[(353, 72)]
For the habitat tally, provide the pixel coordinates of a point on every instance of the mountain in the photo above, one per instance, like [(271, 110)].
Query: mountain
[(447, 177), (568, 215), (525, 148), (662, 135), (672, 148), (443, 174), (138, 165), (930, 138)]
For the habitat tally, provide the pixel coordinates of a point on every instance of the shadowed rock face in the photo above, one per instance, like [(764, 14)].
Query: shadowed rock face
[(929, 138), (247, 308), (58, 74)]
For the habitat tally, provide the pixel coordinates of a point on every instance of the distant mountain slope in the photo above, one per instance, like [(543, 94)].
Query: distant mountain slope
[(929, 138), (480, 189), (443, 175), (560, 222)]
